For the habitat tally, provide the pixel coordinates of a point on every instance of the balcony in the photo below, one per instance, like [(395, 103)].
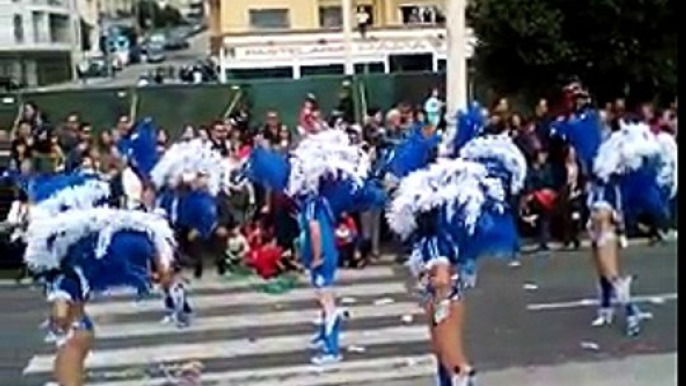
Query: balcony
[(326, 46), (51, 6)]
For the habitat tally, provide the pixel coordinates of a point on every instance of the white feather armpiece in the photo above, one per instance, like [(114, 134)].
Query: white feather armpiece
[(625, 150), (190, 157), (83, 196), (326, 154), (501, 148), (49, 239), (451, 184)]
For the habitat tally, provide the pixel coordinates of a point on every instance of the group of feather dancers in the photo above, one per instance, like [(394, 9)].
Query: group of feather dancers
[(452, 200)]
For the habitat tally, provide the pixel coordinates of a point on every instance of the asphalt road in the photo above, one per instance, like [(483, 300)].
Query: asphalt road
[(526, 326)]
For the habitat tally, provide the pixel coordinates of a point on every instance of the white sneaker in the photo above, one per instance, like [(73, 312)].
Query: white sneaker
[(604, 318), (633, 325), (469, 280), (622, 287), (468, 379), (167, 319), (515, 264), (623, 241), (326, 359)]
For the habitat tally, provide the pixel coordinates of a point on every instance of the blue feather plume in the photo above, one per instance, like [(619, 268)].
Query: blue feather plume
[(469, 125), (583, 130), (413, 153), (140, 148), (268, 168)]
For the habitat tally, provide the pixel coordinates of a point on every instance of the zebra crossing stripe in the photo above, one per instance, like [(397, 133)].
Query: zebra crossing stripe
[(271, 319), (369, 370), (228, 349), (218, 283), (200, 302)]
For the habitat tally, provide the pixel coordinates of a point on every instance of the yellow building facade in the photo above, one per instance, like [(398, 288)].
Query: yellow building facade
[(288, 36)]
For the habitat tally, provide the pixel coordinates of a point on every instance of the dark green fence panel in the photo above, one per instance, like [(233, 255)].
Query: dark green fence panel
[(175, 106), (100, 107), (286, 95), (385, 91)]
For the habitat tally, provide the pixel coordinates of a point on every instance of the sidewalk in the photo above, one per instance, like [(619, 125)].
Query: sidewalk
[(648, 370)]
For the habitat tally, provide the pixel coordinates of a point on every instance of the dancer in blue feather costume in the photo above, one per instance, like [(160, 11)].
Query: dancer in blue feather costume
[(504, 161), (449, 212), (634, 172), (188, 178), (86, 251), (327, 176)]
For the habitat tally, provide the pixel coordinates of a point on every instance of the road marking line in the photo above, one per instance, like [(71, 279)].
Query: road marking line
[(270, 319), (657, 298), (227, 349), (200, 302), (217, 283)]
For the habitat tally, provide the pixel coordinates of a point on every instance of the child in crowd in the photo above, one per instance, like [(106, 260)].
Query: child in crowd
[(237, 249), (346, 242), (265, 259)]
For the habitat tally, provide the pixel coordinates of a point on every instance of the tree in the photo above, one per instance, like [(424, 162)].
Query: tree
[(614, 46), (151, 15)]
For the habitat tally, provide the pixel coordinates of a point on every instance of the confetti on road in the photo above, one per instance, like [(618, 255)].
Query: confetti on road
[(590, 346)]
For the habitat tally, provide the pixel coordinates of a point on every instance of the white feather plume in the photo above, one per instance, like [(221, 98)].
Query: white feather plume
[(83, 196), (69, 227), (189, 158), (328, 153), (447, 183), (625, 150), (669, 161), (501, 148)]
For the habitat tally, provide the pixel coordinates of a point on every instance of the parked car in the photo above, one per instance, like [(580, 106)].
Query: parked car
[(154, 52), (174, 43)]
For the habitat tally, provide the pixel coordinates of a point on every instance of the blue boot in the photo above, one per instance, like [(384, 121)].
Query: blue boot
[(331, 347), (443, 377), (317, 341)]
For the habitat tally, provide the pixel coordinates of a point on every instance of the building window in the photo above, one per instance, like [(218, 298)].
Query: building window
[(412, 14), (370, 68), (332, 69), (269, 19), (330, 17), (18, 29), (260, 73)]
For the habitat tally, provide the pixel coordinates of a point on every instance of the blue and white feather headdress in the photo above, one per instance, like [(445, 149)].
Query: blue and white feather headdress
[(325, 155), (51, 195), (189, 158), (499, 154), (626, 150), (50, 239), (456, 185)]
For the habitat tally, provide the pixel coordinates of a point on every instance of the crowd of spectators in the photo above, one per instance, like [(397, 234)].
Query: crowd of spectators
[(263, 225)]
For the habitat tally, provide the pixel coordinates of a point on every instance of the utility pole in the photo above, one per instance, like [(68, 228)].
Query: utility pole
[(456, 86), (76, 40), (347, 13)]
